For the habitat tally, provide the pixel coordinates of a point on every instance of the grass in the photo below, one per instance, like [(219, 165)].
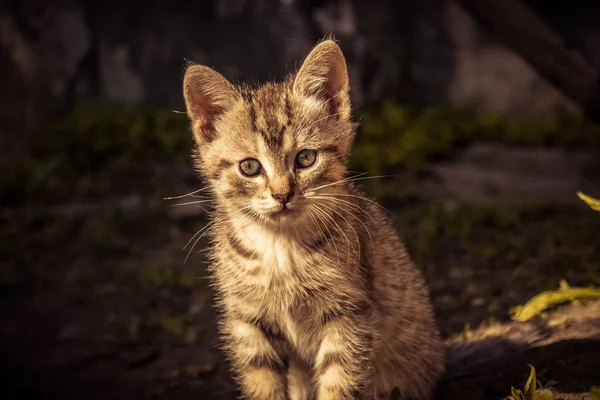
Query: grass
[(396, 135), (530, 391), (81, 153)]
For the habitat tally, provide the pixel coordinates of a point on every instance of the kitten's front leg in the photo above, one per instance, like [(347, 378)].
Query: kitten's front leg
[(344, 362), (299, 382), (261, 370)]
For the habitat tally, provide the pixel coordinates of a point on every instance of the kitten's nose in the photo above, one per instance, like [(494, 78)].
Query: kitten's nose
[(283, 198)]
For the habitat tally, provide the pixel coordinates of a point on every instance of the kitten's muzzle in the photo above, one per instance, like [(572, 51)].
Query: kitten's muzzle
[(283, 198)]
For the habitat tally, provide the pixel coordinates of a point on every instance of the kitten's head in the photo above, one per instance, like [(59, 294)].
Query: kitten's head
[(264, 150)]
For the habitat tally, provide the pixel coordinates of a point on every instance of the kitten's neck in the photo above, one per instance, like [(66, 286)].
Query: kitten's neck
[(251, 230)]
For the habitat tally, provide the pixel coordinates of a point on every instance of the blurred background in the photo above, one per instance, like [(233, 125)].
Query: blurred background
[(482, 112)]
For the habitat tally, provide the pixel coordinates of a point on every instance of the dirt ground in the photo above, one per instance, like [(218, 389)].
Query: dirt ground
[(98, 301)]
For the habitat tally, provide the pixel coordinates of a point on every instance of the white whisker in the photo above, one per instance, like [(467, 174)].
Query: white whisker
[(338, 228), (185, 195), (323, 118), (351, 179), (354, 206), (316, 219), (349, 225), (347, 203), (192, 202), (204, 230), (309, 191), (358, 197)]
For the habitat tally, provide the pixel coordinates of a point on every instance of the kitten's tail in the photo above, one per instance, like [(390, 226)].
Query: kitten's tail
[(475, 360), (491, 347), (493, 357)]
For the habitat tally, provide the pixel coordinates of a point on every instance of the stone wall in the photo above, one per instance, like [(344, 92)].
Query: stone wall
[(426, 52)]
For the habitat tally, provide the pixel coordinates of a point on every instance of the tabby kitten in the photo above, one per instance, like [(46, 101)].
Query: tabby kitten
[(317, 294)]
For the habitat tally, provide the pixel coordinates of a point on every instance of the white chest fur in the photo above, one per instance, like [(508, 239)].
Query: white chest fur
[(283, 264), (279, 253)]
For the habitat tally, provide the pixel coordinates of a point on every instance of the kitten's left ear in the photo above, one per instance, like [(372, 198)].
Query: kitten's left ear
[(324, 76)]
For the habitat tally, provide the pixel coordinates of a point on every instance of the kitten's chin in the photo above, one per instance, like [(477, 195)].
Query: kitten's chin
[(283, 214)]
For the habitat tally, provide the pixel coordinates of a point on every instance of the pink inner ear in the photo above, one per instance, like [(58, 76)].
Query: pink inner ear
[(207, 94), (205, 115)]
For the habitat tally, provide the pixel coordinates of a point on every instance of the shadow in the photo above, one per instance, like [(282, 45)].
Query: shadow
[(569, 366)]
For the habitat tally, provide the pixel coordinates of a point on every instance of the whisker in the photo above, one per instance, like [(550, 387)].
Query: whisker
[(197, 233), (349, 225), (210, 223), (371, 177), (185, 195), (191, 202), (316, 219), (358, 197), (334, 183), (323, 118), (339, 228), (347, 203), (354, 206), (351, 179), (202, 232), (320, 218)]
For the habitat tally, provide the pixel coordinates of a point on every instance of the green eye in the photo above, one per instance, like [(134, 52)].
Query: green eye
[(306, 158), (250, 167)]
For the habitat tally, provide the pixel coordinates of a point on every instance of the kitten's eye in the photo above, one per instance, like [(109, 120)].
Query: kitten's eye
[(250, 167), (305, 158)]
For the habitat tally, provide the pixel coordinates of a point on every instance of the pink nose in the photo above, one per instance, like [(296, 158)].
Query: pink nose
[(283, 198)]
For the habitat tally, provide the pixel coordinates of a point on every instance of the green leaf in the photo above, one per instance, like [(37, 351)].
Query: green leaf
[(531, 384), (590, 201), (550, 298), (516, 393), (595, 392), (544, 395)]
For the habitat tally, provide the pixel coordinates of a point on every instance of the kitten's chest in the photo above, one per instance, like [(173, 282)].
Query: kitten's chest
[(276, 285), (279, 255)]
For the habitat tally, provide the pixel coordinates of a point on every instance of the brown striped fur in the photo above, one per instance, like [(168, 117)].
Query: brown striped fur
[(321, 302)]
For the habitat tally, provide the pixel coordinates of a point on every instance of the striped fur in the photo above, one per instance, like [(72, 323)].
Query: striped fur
[(322, 301)]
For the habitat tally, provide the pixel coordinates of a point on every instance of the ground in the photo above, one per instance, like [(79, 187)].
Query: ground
[(99, 301)]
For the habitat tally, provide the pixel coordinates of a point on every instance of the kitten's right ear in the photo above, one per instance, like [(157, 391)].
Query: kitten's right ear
[(207, 95)]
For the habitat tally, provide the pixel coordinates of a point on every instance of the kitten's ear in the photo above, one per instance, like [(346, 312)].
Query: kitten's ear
[(324, 76), (207, 95)]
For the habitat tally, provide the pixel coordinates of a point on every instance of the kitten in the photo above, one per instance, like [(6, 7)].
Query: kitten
[(317, 294)]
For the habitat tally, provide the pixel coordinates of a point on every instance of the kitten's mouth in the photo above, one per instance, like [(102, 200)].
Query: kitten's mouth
[(283, 211)]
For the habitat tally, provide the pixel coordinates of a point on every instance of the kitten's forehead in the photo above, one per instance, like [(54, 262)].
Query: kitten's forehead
[(271, 114), (272, 118), (269, 122)]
